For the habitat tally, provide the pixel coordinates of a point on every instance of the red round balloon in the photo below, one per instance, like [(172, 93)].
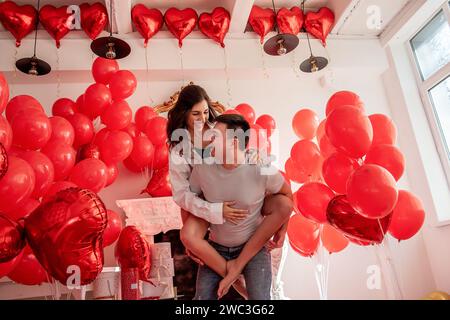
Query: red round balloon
[(6, 134), (372, 191), (63, 157), (156, 130), (159, 185), (22, 102), (388, 157), (56, 187), (115, 147), (132, 166), (408, 216), (337, 169), (117, 116), (62, 130), (332, 239), (100, 136), (23, 209), (113, 228), (247, 112), (232, 111), (132, 130), (306, 156), (313, 199), (64, 107), (103, 69), (305, 124), (8, 267), (4, 92), (83, 128), (350, 131), (321, 130), (303, 235), (3, 161), (31, 129), (267, 123), (293, 173), (344, 98), (43, 171), (89, 174), (17, 184), (143, 115), (161, 157), (96, 98), (384, 129), (28, 271), (122, 84), (143, 151), (326, 148)]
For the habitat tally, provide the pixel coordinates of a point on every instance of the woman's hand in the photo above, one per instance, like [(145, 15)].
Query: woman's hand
[(233, 215)]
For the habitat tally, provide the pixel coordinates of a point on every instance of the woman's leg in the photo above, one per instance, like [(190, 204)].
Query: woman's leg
[(277, 210), (192, 235)]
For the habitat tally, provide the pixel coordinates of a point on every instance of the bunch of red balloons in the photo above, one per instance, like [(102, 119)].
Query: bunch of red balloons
[(348, 166)]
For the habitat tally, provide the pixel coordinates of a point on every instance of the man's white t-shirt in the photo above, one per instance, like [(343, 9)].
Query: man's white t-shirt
[(247, 184)]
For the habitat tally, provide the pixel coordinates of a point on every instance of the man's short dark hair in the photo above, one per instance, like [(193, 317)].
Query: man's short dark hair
[(236, 122)]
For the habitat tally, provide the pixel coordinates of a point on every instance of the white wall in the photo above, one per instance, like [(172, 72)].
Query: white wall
[(355, 65)]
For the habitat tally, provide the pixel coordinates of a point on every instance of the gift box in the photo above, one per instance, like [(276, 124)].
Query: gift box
[(161, 288)]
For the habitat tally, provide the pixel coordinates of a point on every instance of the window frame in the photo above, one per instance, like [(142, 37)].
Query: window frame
[(425, 87)]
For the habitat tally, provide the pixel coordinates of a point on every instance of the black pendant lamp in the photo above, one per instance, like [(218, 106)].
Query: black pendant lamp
[(34, 66), (110, 47)]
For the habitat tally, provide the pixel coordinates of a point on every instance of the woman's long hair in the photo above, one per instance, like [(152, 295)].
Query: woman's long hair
[(188, 97)]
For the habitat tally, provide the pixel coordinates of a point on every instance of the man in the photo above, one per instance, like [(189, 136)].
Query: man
[(240, 243)]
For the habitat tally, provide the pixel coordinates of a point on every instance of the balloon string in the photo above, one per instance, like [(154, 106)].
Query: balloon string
[(227, 75), (147, 82), (295, 63), (264, 67), (13, 84), (182, 67), (58, 76)]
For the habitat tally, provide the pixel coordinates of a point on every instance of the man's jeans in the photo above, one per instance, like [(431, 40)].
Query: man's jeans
[(257, 274)]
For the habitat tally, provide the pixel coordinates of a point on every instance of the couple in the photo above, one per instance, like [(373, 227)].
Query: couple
[(244, 205)]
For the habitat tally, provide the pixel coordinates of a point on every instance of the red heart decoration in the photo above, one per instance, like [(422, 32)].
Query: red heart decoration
[(94, 18), (56, 21), (3, 161), (180, 22), (159, 185), (215, 25), (290, 21), (133, 251), (12, 239), (262, 21), (19, 20), (320, 23), (68, 231), (147, 21), (342, 216)]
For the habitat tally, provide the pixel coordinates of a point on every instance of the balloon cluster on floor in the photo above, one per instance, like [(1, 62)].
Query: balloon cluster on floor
[(348, 166), (292, 21)]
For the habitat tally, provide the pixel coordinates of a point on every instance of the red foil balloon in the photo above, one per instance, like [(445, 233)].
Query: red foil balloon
[(262, 21), (147, 21), (94, 18), (19, 20), (133, 251), (3, 161), (320, 23), (57, 187), (215, 25), (342, 216), (290, 21), (68, 231), (180, 22), (56, 21), (12, 239), (159, 185)]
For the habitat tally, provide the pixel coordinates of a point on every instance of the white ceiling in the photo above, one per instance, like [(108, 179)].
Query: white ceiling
[(351, 15)]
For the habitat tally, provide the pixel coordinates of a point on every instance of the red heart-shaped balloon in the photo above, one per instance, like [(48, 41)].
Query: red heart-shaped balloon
[(94, 18), (290, 21), (262, 21), (342, 216), (215, 25), (320, 23), (3, 161), (19, 20), (133, 251), (12, 239), (159, 185), (67, 232), (180, 22), (57, 21), (147, 21)]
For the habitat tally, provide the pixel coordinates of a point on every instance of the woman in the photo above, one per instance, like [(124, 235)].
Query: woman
[(191, 117), (194, 108)]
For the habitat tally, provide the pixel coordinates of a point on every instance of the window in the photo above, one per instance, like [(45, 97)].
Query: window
[(430, 48)]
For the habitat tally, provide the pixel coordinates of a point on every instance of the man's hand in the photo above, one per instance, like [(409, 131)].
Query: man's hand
[(233, 215), (194, 257), (278, 240)]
